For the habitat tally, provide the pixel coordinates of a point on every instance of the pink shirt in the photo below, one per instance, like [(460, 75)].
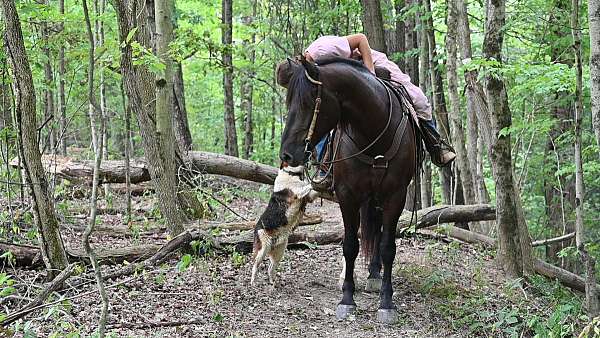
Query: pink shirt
[(330, 45)]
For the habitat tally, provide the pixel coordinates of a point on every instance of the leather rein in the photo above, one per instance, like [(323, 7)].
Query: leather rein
[(316, 111)]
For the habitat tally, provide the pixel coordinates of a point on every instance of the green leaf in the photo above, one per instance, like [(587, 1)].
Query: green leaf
[(217, 317), (130, 35), (184, 263), (7, 291)]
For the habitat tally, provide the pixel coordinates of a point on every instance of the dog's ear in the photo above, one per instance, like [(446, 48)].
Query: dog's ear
[(311, 68), (285, 70)]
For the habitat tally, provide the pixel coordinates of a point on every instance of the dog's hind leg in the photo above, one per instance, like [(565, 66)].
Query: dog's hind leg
[(265, 248), (275, 257)]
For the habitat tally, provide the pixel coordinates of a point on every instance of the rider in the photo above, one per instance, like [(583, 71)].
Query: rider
[(358, 45)]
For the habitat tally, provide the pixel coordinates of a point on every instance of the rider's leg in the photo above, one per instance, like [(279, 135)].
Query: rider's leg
[(441, 152)]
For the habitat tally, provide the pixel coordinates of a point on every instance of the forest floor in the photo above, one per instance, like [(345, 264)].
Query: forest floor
[(442, 288)]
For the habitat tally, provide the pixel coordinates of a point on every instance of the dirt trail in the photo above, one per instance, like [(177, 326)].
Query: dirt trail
[(433, 280)]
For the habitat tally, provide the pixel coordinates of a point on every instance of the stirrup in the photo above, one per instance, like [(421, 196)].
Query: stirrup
[(323, 184), (441, 149)]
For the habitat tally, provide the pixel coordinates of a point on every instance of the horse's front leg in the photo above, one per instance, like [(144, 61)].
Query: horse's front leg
[(387, 310), (350, 215)]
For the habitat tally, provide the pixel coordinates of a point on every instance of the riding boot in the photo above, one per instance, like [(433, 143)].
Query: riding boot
[(442, 153), (323, 182)]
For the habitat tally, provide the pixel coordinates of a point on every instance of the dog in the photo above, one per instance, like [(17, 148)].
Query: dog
[(281, 217)]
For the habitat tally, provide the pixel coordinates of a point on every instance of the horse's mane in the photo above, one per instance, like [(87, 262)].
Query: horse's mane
[(300, 86)]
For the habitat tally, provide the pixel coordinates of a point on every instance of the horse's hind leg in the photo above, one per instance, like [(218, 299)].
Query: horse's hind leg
[(371, 217), (351, 220)]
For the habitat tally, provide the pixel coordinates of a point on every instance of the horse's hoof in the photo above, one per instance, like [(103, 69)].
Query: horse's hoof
[(387, 316), (373, 285), (343, 311)]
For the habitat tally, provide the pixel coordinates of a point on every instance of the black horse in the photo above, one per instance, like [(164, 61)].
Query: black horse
[(371, 186)]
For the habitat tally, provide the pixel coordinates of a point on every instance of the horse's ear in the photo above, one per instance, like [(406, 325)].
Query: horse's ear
[(285, 70), (310, 67)]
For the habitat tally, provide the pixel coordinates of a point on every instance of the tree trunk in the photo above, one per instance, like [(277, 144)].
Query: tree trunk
[(462, 159), (509, 248), (140, 86), (97, 130), (48, 100), (248, 91), (180, 117), (164, 93), (439, 100), (473, 140), (372, 21), (181, 125), (62, 101), (231, 146), (425, 81), (591, 297), (46, 221), (410, 44), (594, 19)]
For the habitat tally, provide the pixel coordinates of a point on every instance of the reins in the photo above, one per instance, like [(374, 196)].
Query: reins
[(316, 111)]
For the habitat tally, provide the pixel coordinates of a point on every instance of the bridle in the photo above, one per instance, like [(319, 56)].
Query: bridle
[(313, 122)]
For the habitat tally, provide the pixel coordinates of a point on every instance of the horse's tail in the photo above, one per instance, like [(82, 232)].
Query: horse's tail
[(371, 219)]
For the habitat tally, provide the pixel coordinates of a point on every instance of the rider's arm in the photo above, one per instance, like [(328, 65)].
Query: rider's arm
[(360, 42)]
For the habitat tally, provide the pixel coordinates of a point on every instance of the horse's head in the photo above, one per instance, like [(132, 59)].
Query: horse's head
[(302, 80)]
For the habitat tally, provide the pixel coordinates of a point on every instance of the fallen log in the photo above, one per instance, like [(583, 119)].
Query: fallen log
[(27, 255), (330, 233), (553, 240), (565, 277), (113, 171), (21, 255), (232, 226), (441, 214)]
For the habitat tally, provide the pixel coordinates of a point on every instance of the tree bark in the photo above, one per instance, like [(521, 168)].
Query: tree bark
[(511, 250), (591, 297), (115, 171), (439, 100), (62, 101), (46, 221), (181, 125), (425, 82), (140, 86), (594, 19), (164, 94), (473, 88), (231, 146), (410, 44), (97, 129), (48, 100), (372, 21), (462, 159), (247, 89)]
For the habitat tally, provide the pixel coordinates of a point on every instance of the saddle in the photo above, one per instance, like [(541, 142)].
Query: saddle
[(379, 163)]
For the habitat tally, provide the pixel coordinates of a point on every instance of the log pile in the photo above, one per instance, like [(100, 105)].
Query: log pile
[(240, 234)]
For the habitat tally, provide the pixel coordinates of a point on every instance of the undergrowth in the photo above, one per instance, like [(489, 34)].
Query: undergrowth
[(533, 308)]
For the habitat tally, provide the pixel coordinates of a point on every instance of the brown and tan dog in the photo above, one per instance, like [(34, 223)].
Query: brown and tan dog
[(281, 217)]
